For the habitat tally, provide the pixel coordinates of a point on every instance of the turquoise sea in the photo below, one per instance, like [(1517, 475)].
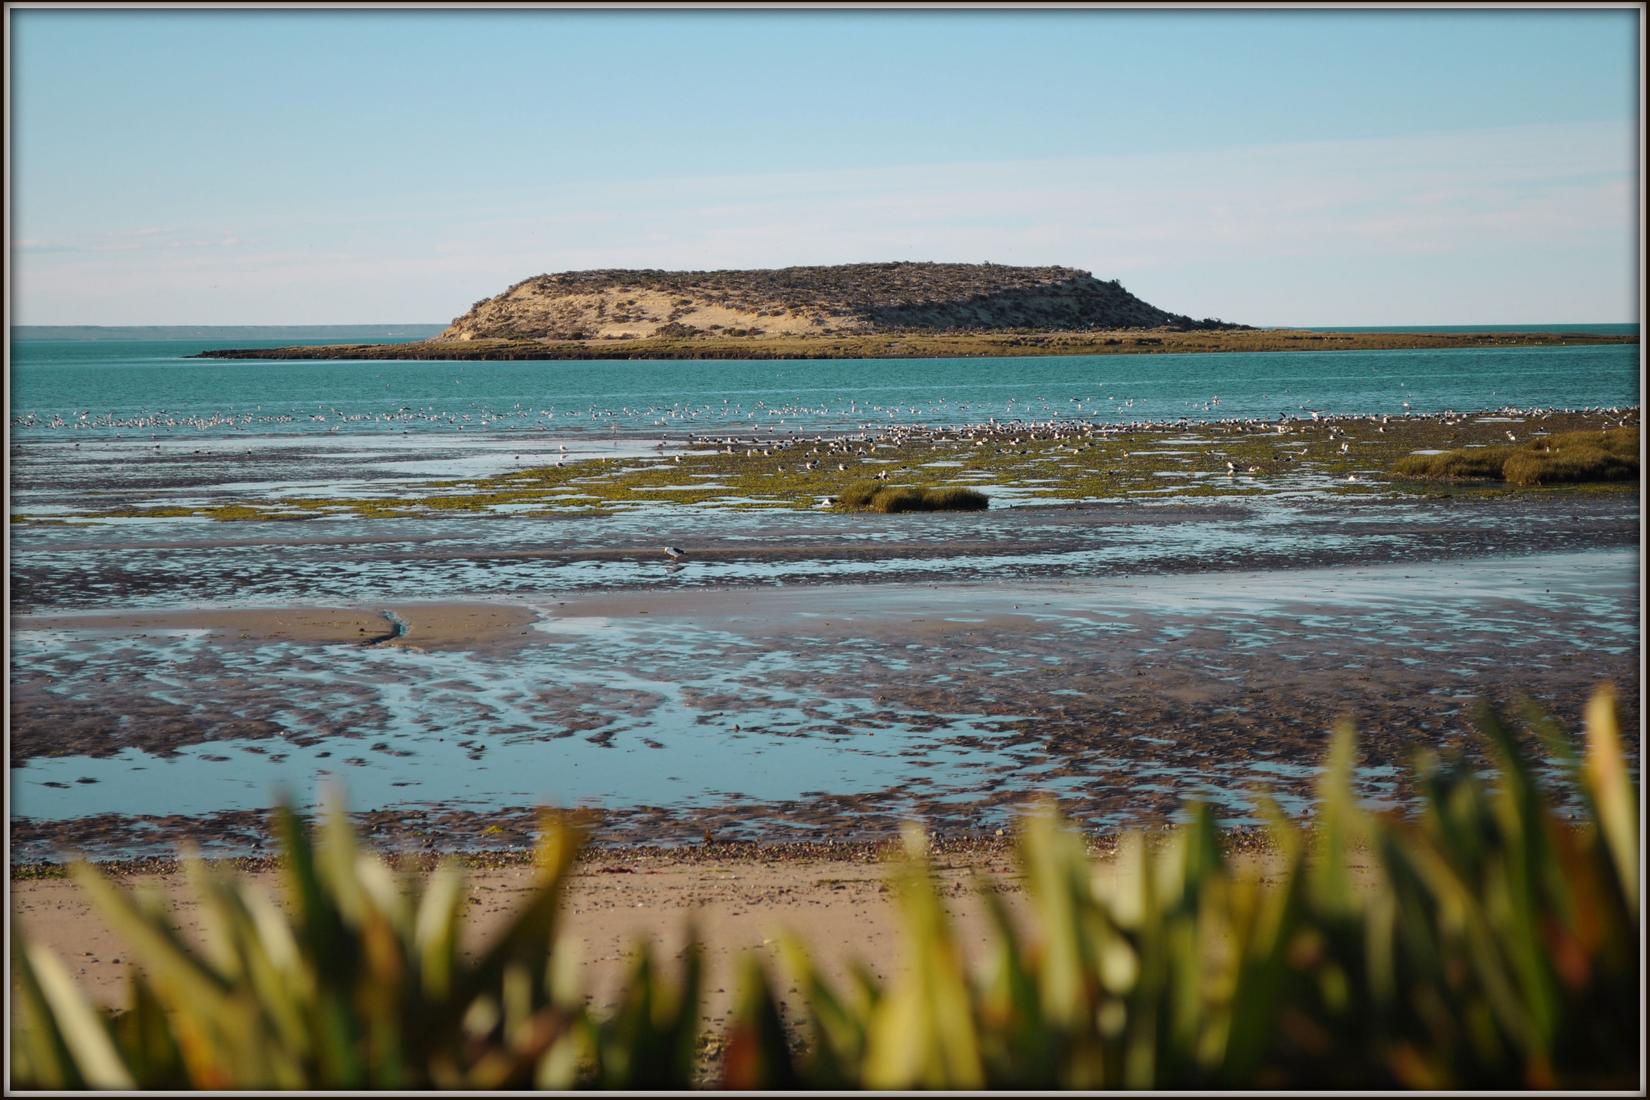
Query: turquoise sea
[(150, 385)]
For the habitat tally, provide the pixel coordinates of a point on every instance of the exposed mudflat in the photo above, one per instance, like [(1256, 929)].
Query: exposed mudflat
[(828, 709), (795, 674)]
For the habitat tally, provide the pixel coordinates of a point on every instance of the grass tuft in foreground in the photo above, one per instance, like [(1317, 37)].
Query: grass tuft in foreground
[(1566, 458), (1489, 944), (870, 497)]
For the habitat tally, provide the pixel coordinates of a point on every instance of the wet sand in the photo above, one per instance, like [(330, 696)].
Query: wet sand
[(331, 563), (423, 626), (810, 711)]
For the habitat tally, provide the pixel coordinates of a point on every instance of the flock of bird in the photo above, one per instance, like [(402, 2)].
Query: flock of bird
[(516, 415), (1077, 435), (1057, 417), (1075, 427)]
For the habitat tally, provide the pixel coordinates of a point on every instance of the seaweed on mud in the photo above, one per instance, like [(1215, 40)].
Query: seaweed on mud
[(1084, 462)]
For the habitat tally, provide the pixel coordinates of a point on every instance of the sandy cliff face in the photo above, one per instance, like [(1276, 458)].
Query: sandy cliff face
[(807, 301)]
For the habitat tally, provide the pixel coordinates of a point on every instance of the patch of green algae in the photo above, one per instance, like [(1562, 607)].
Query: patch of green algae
[(1162, 463)]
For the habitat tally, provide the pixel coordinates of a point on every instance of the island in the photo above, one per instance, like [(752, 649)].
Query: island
[(852, 311)]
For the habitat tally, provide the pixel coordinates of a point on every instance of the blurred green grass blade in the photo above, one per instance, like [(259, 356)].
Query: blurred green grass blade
[(564, 973), (82, 1031), (650, 1039), (1262, 971), (216, 925), (1141, 1037), (42, 1055), (1482, 952), (336, 862), (1058, 880), (1338, 822), (1018, 993), (1561, 749), (756, 1053), (1198, 843), (677, 1017), (954, 1055), (899, 1041), (1611, 785), (1519, 883), (533, 927), (322, 927), (383, 893), (564, 1066), (436, 930), (147, 1036), (263, 943), (836, 1029), (1380, 936), (922, 1034), (516, 999), (1283, 833), (157, 947), (338, 1052)]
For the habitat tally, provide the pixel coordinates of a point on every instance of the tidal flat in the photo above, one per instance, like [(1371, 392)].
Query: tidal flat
[(1146, 614), (1073, 461)]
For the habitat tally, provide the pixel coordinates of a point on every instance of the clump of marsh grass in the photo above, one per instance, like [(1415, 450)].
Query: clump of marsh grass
[(1576, 456), (1478, 462), (868, 496), (1564, 459)]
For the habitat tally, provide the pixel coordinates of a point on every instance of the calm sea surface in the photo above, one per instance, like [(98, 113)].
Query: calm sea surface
[(119, 386)]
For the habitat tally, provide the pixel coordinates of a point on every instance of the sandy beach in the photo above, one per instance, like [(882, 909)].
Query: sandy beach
[(737, 899), (737, 904)]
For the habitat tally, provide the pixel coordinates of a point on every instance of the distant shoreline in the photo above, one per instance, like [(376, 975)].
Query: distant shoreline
[(926, 345), (92, 334)]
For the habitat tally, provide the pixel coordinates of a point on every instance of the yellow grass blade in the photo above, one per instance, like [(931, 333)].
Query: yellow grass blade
[(1606, 774)]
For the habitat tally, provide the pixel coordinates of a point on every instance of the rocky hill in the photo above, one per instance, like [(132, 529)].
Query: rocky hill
[(845, 299)]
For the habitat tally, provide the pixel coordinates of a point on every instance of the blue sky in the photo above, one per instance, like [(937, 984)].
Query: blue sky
[(1286, 167)]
